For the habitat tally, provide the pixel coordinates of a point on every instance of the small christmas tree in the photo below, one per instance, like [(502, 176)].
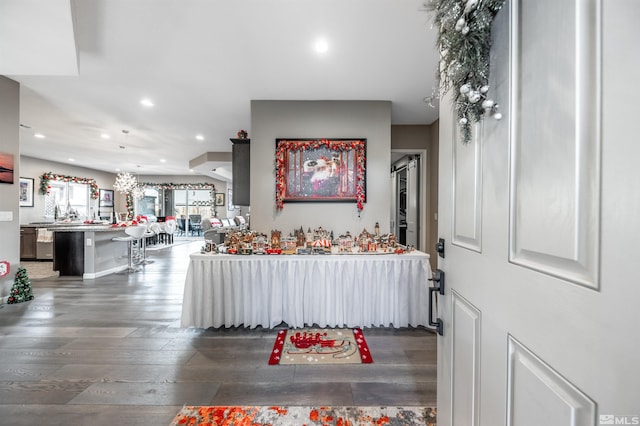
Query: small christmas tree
[(21, 290)]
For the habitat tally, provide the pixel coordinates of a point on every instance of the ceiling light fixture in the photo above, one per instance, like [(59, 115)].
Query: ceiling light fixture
[(125, 182), (125, 132), (72, 159), (162, 160), (137, 192), (146, 102), (105, 136), (321, 46), (39, 135), (200, 137)]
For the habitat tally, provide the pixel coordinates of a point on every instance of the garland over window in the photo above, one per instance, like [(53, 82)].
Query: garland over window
[(464, 42), (203, 185), (45, 187)]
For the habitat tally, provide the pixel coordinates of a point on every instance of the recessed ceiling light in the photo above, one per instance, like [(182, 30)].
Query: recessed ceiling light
[(200, 137), (146, 102), (105, 136), (162, 160), (39, 135), (191, 170), (72, 159), (321, 46)]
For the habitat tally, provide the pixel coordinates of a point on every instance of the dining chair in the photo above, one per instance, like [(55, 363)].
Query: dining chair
[(169, 230), (181, 227)]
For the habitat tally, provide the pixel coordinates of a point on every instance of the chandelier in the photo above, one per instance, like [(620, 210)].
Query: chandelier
[(125, 182), (137, 192)]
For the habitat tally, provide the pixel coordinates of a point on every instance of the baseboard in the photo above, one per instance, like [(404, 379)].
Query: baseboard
[(90, 276)]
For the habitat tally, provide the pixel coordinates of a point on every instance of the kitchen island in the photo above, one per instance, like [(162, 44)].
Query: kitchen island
[(87, 250)]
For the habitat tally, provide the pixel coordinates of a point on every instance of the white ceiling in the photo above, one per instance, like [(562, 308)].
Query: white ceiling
[(84, 66)]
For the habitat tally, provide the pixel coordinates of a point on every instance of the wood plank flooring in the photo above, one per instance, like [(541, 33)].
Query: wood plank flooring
[(111, 351)]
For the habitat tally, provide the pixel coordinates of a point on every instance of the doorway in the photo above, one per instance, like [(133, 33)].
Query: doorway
[(408, 192)]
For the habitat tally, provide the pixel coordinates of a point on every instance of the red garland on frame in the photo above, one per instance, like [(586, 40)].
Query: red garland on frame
[(285, 146)]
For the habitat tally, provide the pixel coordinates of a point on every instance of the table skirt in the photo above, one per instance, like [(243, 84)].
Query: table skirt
[(325, 290)]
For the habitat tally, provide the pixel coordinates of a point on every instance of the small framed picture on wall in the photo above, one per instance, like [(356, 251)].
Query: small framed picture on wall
[(219, 199), (26, 192), (106, 198)]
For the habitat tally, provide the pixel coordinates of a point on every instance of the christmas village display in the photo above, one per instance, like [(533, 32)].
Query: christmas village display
[(317, 241)]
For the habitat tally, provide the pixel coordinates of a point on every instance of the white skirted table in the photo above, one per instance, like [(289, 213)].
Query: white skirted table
[(327, 290)]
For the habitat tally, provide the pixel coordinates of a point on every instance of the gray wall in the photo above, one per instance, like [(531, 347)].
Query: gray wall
[(320, 119), (423, 137), (10, 144), (34, 168)]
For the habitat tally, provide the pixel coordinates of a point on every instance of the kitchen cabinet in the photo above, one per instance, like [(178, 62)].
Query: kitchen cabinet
[(28, 243), (240, 165)]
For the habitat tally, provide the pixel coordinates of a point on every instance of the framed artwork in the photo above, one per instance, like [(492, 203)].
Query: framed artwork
[(6, 168), (219, 198), (26, 192), (320, 170), (106, 198)]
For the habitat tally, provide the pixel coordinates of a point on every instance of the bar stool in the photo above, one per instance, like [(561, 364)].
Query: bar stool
[(135, 233), (149, 232), (169, 229)]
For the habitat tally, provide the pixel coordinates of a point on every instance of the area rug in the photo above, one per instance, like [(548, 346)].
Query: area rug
[(320, 346), (38, 270), (298, 416)]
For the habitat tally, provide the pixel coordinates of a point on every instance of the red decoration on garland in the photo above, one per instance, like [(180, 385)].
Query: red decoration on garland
[(170, 185)]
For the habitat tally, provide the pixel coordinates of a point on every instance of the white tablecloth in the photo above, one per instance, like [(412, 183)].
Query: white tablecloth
[(327, 290)]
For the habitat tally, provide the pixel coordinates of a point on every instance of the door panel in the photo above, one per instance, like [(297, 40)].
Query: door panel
[(467, 190), (537, 395), (555, 163), (465, 348)]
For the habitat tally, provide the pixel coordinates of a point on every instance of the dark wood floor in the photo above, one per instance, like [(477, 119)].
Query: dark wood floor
[(111, 351)]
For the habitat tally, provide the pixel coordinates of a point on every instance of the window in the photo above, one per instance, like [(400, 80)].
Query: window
[(192, 201), (149, 205), (64, 196)]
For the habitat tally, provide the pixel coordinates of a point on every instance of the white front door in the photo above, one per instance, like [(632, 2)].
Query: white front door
[(541, 217)]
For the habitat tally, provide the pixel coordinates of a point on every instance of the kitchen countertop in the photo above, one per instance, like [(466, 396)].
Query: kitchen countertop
[(73, 226)]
